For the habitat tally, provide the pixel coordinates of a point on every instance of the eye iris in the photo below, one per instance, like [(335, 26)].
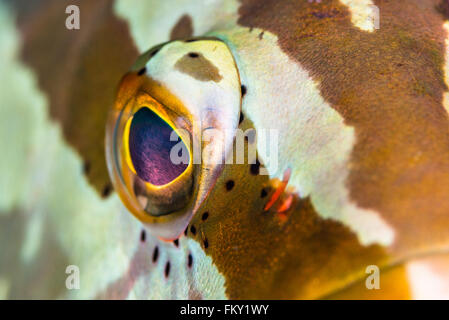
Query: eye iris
[(150, 146)]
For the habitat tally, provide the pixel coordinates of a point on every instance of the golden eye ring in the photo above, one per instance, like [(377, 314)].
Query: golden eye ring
[(143, 119)]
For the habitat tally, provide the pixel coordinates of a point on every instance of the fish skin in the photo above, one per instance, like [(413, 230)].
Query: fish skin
[(241, 250)]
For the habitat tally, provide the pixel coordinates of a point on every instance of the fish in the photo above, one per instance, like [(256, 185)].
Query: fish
[(341, 109)]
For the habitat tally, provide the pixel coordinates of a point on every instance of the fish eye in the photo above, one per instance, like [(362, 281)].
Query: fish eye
[(155, 127), (149, 158), (149, 145)]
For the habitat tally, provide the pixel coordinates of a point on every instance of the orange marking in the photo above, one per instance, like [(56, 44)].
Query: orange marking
[(286, 204), (282, 217), (283, 208), (279, 189), (168, 240)]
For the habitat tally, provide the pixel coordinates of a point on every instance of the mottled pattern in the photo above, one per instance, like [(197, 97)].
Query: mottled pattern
[(78, 70), (319, 155), (270, 255), (388, 85), (59, 219), (369, 177)]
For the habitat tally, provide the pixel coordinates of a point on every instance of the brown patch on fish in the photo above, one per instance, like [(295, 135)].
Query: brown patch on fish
[(182, 29), (78, 70), (199, 67), (284, 252), (388, 85)]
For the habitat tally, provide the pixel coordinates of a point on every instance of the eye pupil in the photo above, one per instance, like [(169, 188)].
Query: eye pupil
[(150, 148)]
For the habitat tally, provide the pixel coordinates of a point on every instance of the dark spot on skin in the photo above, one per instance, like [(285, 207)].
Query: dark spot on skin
[(417, 90), (255, 168), (264, 192), (86, 167), (155, 253), (191, 40), (106, 190), (154, 53), (340, 54), (182, 29), (261, 35), (243, 88), (193, 229), (241, 118), (199, 67), (329, 14), (142, 71), (176, 242), (205, 216), (189, 260), (206, 244), (143, 236), (229, 185), (443, 8), (167, 269)]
